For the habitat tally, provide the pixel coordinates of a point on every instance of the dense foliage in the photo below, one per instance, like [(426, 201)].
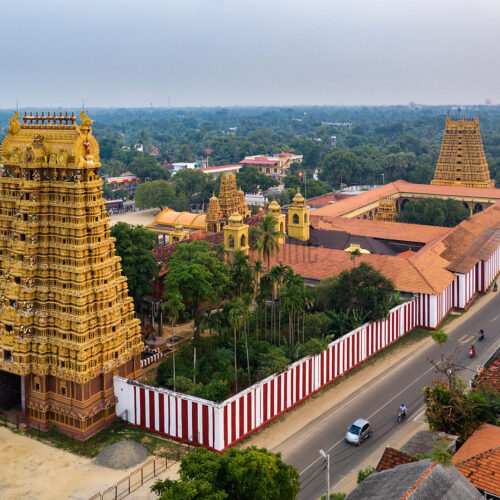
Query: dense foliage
[(251, 322), (160, 194), (134, 244), (249, 474), (434, 212)]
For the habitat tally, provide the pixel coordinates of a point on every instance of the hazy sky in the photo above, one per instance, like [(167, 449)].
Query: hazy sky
[(248, 52)]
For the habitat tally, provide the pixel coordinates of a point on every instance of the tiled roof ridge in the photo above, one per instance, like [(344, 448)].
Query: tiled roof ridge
[(395, 457), (409, 259), (419, 481), (479, 455)]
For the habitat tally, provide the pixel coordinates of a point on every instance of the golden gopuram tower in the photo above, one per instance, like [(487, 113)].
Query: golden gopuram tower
[(230, 199), (462, 161), (66, 321), (386, 210)]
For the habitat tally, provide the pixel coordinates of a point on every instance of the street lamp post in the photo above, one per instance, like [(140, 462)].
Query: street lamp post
[(305, 182), (383, 178), (327, 458)]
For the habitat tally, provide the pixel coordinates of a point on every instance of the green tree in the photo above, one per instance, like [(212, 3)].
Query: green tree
[(249, 474), (362, 289), (265, 238), (134, 244), (434, 212), (147, 168), (241, 273), (172, 309), (197, 186), (198, 276), (250, 180), (159, 194)]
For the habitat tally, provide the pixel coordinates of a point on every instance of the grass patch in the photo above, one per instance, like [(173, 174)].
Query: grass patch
[(117, 431)]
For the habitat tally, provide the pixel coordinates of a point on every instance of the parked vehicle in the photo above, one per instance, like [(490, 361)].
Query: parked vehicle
[(358, 432)]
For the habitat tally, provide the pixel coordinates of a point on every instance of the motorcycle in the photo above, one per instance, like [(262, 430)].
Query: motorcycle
[(472, 352), (481, 335), (401, 416)]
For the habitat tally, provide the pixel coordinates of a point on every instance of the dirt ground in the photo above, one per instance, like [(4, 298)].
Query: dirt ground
[(32, 470), (140, 217)]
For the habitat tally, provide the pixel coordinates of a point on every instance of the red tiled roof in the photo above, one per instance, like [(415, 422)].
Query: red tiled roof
[(320, 263), (478, 459), (392, 457), (403, 187), (408, 253), (379, 229), (286, 154), (489, 377)]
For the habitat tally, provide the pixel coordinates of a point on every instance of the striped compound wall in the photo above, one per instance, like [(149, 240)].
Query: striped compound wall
[(220, 425)]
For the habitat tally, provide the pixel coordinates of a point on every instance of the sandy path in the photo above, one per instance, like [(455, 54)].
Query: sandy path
[(141, 217), (33, 470)]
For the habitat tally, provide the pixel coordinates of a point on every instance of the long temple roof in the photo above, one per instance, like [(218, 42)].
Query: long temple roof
[(402, 188)]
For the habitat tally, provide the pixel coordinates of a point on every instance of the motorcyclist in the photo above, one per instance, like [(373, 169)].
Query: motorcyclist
[(481, 334), (402, 410), (495, 286), (472, 351)]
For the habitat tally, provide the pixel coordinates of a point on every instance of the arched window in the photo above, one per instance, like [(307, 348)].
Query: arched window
[(295, 219), (478, 208), (243, 241), (231, 241), (268, 171)]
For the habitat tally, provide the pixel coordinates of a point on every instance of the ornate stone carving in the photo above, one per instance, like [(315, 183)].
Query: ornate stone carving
[(14, 124)]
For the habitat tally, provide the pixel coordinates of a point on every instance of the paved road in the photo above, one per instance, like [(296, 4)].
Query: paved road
[(378, 402)]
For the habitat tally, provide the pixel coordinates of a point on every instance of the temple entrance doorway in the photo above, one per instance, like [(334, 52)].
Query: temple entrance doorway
[(10, 392)]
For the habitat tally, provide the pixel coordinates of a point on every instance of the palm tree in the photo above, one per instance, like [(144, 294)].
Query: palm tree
[(278, 274), (355, 253), (238, 310), (266, 288), (257, 272), (173, 309), (241, 272), (266, 238)]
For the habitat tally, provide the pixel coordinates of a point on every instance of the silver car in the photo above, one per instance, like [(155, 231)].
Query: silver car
[(358, 432)]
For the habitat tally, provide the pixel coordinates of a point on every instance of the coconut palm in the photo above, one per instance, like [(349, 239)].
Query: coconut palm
[(241, 273), (238, 311), (258, 268), (265, 238), (173, 309), (278, 274)]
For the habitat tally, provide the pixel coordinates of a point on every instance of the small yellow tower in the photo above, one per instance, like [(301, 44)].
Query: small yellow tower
[(298, 218), (275, 210), (214, 216), (386, 210), (178, 234), (236, 234)]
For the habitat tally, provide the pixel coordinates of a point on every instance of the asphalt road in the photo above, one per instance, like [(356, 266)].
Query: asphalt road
[(378, 402)]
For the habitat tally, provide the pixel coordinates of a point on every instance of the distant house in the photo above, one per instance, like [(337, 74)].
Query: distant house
[(274, 165)]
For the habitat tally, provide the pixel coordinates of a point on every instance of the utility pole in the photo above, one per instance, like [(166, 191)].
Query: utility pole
[(327, 459), (383, 178)]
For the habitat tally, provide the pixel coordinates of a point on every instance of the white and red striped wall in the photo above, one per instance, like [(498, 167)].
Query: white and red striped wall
[(151, 359), (220, 425)]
